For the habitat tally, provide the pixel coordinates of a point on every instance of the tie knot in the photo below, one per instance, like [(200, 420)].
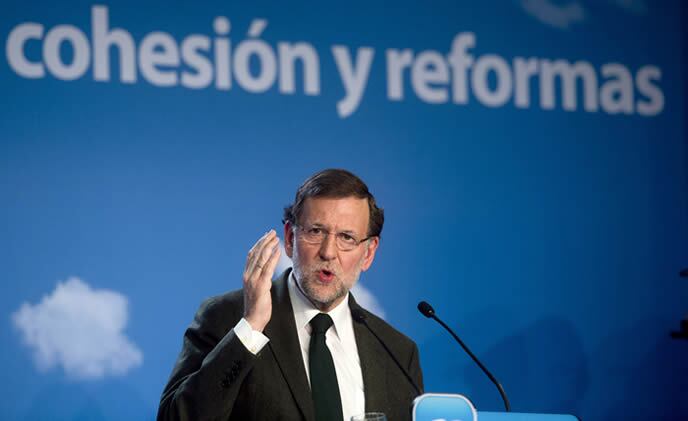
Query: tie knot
[(321, 323)]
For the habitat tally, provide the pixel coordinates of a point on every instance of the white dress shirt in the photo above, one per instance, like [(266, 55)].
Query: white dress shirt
[(339, 338)]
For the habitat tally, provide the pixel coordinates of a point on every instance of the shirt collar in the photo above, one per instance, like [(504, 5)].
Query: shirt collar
[(304, 310)]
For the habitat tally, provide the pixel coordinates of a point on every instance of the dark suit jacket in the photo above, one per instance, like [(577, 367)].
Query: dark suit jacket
[(217, 378)]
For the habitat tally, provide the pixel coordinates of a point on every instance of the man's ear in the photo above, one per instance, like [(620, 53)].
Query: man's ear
[(369, 256), (288, 239)]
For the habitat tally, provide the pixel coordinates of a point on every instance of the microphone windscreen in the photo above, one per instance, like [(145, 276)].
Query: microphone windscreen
[(426, 309)]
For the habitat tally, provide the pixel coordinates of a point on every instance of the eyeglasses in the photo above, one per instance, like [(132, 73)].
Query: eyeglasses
[(316, 235)]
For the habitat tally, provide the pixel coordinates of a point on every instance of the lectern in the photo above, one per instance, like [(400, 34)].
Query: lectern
[(451, 407)]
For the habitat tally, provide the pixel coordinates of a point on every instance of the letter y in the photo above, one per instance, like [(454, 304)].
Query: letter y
[(354, 76)]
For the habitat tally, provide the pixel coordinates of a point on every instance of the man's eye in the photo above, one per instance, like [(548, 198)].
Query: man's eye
[(347, 238), (315, 231)]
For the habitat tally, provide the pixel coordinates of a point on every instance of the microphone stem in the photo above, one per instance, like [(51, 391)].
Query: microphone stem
[(360, 317), (477, 361)]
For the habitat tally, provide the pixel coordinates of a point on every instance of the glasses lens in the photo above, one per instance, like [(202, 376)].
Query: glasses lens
[(346, 242), (315, 235), (312, 235)]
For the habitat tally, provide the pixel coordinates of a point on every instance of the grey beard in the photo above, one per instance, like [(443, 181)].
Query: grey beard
[(311, 294)]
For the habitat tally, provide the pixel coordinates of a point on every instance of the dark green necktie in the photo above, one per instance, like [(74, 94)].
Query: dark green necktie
[(324, 386)]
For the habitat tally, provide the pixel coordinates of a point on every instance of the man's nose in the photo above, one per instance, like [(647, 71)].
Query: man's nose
[(328, 248)]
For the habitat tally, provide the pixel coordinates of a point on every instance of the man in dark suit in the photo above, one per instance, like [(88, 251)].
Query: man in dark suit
[(300, 348)]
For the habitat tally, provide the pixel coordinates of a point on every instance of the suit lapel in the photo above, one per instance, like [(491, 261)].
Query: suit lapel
[(374, 373), (284, 345)]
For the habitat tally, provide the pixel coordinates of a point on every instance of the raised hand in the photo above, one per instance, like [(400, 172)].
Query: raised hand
[(260, 266)]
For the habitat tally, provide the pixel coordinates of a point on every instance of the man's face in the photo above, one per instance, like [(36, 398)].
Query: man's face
[(326, 273)]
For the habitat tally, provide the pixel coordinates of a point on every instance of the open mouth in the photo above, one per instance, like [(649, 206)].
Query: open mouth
[(325, 275)]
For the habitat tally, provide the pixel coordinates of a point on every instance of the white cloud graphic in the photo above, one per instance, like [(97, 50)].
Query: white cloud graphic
[(364, 297), (638, 7), (367, 300), (552, 14), (562, 15), (80, 329)]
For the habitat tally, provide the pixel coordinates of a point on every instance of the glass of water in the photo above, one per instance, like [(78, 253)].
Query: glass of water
[(370, 416)]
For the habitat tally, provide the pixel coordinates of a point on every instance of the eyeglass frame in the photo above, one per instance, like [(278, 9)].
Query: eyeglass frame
[(327, 233)]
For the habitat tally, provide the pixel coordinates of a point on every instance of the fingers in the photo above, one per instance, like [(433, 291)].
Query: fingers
[(263, 255), (256, 247), (260, 256), (256, 250), (271, 264), (267, 252), (260, 266)]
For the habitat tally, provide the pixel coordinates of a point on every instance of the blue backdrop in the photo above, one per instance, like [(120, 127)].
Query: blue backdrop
[(530, 155)]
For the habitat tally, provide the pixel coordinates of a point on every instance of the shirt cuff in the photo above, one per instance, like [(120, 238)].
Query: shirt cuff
[(253, 340)]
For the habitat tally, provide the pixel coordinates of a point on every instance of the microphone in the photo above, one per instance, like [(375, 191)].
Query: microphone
[(359, 316), (429, 312)]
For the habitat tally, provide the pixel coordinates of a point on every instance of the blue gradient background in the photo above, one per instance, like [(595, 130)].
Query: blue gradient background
[(550, 240)]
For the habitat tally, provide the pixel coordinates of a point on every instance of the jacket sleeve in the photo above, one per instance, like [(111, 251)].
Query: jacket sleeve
[(414, 368), (210, 369)]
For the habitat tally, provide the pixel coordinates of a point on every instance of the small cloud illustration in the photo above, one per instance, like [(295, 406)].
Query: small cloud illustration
[(639, 7), (364, 297), (79, 329), (554, 13), (367, 300)]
